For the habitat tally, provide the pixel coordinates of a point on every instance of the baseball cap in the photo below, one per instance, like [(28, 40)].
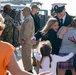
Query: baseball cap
[(58, 7)]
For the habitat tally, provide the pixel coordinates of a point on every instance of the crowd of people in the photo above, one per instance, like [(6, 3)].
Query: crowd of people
[(55, 30), (8, 60), (55, 52)]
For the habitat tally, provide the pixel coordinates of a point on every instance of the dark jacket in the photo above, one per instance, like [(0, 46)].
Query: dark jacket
[(67, 21), (52, 37), (56, 42), (36, 22)]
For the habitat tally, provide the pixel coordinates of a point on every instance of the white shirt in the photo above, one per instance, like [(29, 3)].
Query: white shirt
[(64, 18), (46, 61)]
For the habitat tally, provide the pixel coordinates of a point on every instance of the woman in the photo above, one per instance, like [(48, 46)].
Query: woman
[(7, 58), (68, 45), (49, 32)]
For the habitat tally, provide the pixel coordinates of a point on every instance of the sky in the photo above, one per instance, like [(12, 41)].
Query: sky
[(70, 7)]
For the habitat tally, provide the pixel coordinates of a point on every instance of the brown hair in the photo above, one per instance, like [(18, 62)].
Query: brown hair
[(48, 25), (73, 23), (34, 6), (45, 48)]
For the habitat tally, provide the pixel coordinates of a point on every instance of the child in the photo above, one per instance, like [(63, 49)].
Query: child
[(48, 61)]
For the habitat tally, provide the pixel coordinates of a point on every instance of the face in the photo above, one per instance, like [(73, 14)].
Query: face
[(25, 13), (55, 26), (61, 14), (35, 10), (9, 11)]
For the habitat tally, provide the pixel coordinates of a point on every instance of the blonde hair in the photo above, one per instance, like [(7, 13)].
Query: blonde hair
[(2, 25), (48, 25)]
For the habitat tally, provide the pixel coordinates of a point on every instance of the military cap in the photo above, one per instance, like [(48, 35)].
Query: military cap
[(52, 10), (58, 7), (26, 9)]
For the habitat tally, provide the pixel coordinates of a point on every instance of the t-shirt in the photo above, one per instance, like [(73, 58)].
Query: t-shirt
[(6, 50)]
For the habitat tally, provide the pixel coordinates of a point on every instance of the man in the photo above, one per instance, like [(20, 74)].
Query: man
[(26, 32), (35, 17), (64, 19), (8, 31)]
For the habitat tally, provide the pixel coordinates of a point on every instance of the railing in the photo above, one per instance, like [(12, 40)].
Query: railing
[(16, 1)]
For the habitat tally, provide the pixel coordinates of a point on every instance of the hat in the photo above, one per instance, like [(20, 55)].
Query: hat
[(58, 7), (35, 6), (26, 9), (52, 10)]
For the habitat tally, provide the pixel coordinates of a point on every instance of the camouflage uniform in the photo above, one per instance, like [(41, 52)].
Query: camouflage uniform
[(7, 34)]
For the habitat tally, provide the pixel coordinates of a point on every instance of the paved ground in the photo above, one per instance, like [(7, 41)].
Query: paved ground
[(19, 59)]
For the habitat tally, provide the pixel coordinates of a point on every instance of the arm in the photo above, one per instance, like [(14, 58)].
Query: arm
[(62, 31), (64, 58), (14, 68), (36, 55), (38, 35), (45, 73)]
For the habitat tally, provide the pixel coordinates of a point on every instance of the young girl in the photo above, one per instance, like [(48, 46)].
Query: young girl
[(48, 61)]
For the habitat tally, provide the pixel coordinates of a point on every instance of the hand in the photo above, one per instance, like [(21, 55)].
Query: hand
[(18, 27), (63, 31), (33, 41), (71, 38), (45, 73)]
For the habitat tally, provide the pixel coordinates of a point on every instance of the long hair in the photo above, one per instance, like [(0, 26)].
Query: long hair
[(73, 23), (45, 50), (48, 25)]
